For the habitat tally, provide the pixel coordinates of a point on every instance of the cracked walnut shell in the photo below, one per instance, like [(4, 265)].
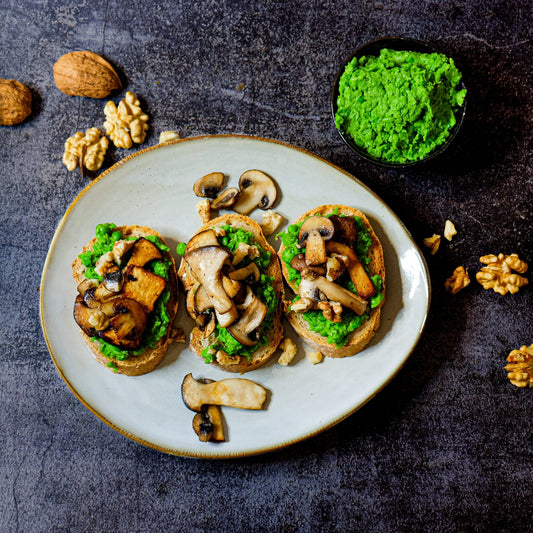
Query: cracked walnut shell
[(498, 275), (85, 150), (520, 367), (127, 123)]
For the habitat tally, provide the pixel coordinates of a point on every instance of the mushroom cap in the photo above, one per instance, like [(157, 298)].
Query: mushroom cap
[(208, 186), (225, 199), (257, 189), (323, 225)]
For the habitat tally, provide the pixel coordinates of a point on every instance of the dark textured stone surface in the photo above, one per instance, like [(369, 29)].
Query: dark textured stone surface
[(447, 445)]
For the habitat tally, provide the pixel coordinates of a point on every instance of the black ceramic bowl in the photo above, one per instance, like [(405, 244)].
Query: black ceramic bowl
[(373, 48)]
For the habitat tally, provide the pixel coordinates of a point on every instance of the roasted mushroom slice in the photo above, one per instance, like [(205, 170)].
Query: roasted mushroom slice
[(256, 190), (142, 286), (314, 233), (250, 320), (206, 262), (208, 186), (113, 279), (362, 282), (208, 425), (84, 316), (225, 199), (204, 238), (336, 293), (130, 318), (250, 274), (143, 252), (233, 392)]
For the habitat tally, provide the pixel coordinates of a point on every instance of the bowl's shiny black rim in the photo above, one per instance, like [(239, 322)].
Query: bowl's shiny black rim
[(373, 48)]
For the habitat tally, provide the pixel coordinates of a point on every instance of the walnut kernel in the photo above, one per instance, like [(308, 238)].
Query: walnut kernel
[(498, 275), (168, 136), (433, 243), (520, 367), (315, 357), (85, 150), (458, 280), (449, 230), (126, 124), (288, 351)]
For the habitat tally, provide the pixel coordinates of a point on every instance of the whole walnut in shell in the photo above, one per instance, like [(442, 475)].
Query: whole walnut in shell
[(85, 73), (15, 102)]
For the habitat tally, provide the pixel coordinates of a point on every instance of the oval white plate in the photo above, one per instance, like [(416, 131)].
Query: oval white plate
[(154, 187)]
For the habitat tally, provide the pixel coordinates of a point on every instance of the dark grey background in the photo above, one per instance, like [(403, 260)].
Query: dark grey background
[(447, 445)]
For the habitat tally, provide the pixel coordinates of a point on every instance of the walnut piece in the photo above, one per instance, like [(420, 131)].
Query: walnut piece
[(168, 136), (224, 359), (204, 210), (15, 102), (498, 275), (270, 222), (520, 367), (458, 280), (288, 351), (433, 243), (85, 150), (449, 230), (315, 357), (126, 124)]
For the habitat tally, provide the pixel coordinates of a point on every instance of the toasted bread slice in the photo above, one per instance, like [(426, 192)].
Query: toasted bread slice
[(198, 342), (361, 336), (135, 365)]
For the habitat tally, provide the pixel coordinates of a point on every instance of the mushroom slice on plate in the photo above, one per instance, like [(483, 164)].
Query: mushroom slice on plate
[(204, 238), (256, 190), (360, 279), (208, 186), (314, 233), (225, 199), (250, 320), (206, 263), (233, 392), (208, 425)]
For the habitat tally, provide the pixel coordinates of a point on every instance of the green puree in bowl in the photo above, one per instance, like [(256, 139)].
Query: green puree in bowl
[(399, 106)]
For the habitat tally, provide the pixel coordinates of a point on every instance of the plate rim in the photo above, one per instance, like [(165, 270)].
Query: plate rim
[(257, 450)]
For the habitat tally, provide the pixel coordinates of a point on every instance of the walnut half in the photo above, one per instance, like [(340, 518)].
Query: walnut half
[(458, 280), (498, 275), (520, 367)]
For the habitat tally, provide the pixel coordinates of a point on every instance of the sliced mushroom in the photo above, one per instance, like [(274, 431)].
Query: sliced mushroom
[(87, 284), (250, 320), (225, 199), (206, 263), (211, 324), (314, 233), (208, 186), (336, 293), (82, 316), (345, 229), (231, 286), (299, 263), (256, 190), (362, 282), (113, 280), (233, 392), (204, 238), (143, 252), (130, 318), (208, 424), (249, 273)]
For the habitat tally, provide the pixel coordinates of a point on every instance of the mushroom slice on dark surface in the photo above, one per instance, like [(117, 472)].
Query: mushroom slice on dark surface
[(208, 186), (206, 262), (361, 280), (314, 233), (225, 199), (256, 190), (232, 392), (250, 320)]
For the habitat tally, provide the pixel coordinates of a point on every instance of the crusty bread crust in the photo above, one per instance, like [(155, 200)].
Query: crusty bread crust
[(359, 338), (197, 340), (135, 365)]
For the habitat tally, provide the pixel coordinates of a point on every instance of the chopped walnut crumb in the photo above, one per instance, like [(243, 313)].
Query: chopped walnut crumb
[(288, 351), (168, 136), (498, 275), (270, 222), (315, 357), (433, 243), (520, 367), (449, 230), (204, 210), (458, 280)]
